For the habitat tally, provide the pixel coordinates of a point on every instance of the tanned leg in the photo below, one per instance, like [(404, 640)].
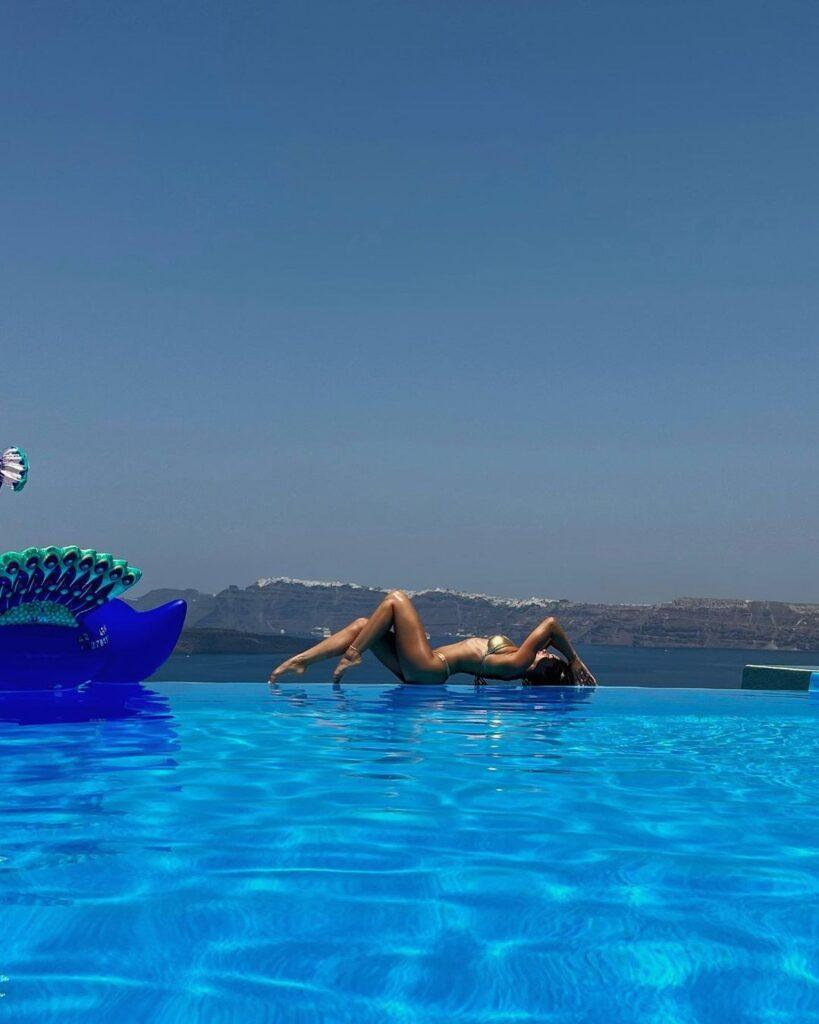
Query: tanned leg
[(396, 612), (387, 653), (331, 647), (383, 648)]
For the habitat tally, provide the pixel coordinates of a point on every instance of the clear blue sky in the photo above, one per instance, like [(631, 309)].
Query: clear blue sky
[(513, 297)]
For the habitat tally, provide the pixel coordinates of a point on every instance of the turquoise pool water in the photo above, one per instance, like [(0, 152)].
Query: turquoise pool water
[(230, 853)]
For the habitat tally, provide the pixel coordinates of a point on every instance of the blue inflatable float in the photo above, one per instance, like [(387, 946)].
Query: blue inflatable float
[(62, 623)]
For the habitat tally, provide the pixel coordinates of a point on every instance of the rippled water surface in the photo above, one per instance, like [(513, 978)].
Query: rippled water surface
[(231, 853)]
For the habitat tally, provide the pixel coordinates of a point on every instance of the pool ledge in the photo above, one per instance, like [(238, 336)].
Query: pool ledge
[(780, 677)]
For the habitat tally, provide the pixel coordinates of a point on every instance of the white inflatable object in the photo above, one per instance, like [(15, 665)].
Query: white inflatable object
[(14, 468)]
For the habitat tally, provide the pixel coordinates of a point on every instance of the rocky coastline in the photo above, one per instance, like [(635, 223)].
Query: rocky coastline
[(250, 617)]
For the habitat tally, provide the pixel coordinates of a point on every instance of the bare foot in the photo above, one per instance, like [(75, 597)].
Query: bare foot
[(580, 674), (349, 659), (294, 665)]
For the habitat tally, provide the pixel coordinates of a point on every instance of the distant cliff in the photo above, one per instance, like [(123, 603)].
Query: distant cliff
[(296, 607)]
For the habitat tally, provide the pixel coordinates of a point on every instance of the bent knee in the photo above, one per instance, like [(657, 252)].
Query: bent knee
[(550, 623), (359, 624), (398, 595)]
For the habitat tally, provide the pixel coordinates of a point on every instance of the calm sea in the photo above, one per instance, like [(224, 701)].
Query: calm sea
[(613, 666)]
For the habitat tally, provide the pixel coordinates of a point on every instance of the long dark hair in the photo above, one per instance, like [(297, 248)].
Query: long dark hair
[(549, 671)]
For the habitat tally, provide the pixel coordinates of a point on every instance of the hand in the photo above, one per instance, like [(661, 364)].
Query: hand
[(580, 674)]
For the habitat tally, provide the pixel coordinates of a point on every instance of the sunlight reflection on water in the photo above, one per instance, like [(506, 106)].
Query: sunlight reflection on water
[(430, 854)]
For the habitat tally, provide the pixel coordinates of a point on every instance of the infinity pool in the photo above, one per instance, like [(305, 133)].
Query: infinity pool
[(226, 853)]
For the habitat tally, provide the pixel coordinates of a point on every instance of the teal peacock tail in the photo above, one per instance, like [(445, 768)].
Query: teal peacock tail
[(14, 468), (55, 585)]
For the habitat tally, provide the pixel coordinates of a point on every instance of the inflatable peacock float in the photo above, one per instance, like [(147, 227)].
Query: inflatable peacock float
[(62, 622)]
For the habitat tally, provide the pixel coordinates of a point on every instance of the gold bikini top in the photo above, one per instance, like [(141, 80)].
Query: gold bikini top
[(497, 643), (494, 645)]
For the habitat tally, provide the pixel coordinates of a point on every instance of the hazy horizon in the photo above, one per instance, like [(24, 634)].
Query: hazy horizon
[(369, 585), (512, 299)]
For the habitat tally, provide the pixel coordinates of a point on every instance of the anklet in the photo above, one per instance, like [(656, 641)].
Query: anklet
[(355, 650)]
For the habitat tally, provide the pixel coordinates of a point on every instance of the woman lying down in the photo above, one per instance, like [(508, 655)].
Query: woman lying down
[(396, 636)]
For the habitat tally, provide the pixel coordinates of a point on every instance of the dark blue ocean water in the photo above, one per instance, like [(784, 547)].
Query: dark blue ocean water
[(422, 855), (613, 666)]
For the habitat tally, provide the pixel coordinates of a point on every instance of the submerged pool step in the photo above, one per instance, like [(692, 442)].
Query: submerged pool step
[(780, 677)]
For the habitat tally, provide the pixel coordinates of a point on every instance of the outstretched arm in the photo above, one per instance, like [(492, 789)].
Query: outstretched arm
[(548, 633)]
